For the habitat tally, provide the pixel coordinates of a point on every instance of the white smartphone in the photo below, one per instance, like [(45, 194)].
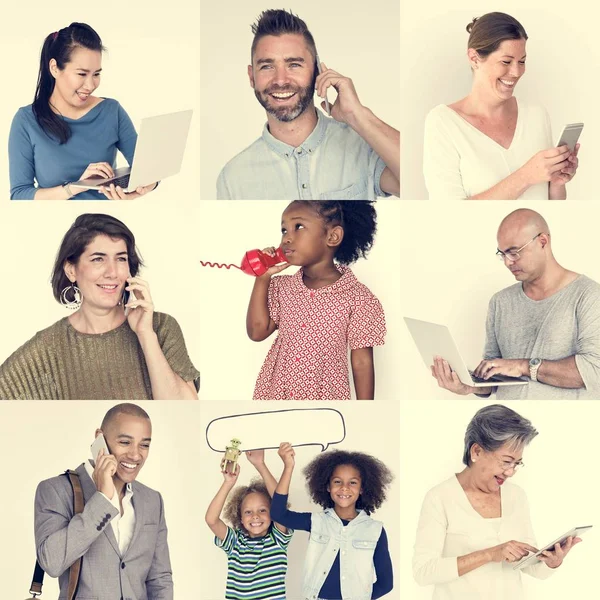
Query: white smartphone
[(99, 444), (569, 136), (327, 107)]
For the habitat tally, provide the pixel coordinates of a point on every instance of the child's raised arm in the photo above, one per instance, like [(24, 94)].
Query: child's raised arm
[(363, 373), (259, 324), (213, 513), (257, 458), (286, 452)]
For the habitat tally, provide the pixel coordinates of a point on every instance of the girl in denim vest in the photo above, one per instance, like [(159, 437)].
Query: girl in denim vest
[(347, 549)]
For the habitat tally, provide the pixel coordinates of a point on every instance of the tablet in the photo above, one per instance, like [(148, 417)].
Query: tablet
[(569, 136), (531, 559)]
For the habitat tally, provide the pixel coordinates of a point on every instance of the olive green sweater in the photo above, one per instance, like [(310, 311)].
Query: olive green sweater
[(60, 363)]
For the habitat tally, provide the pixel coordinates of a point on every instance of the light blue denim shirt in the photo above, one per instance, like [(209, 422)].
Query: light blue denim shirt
[(356, 544), (333, 163)]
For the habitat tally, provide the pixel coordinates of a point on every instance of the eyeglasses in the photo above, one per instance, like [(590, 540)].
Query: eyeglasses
[(513, 255), (507, 465)]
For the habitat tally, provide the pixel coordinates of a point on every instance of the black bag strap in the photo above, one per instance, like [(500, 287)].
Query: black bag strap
[(75, 568)]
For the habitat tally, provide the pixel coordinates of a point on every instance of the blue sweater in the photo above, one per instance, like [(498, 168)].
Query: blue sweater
[(331, 589), (95, 137)]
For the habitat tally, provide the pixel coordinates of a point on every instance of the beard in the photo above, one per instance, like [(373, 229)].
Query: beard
[(304, 96)]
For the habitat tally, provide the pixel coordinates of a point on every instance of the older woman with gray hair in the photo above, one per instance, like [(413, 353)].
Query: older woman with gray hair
[(475, 524)]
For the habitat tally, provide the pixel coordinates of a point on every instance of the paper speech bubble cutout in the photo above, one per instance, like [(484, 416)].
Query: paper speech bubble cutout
[(266, 430)]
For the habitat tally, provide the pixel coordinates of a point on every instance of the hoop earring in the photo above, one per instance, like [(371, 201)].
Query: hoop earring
[(77, 298)]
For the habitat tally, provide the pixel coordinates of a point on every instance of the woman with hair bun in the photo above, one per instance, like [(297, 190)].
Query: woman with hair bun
[(489, 145), (67, 133)]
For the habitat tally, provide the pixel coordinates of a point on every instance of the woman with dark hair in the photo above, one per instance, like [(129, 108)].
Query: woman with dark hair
[(114, 346), (489, 145), (476, 525), (69, 134)]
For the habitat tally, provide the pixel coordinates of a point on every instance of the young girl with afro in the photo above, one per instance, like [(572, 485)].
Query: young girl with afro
[(322, 309), (256, 547), (346, 546)]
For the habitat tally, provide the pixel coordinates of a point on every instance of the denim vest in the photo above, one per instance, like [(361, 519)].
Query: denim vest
[(356, 545)]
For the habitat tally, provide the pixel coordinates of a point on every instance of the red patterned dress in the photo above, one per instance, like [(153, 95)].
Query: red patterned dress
[(309, 358)]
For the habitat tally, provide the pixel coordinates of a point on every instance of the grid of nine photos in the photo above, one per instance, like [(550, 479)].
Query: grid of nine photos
[(261, 252)]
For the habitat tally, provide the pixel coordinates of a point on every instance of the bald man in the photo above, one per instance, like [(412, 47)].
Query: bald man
[(546, 327), (121, 532)]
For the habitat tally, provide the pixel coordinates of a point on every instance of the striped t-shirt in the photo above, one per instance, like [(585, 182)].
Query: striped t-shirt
[(256, 567)]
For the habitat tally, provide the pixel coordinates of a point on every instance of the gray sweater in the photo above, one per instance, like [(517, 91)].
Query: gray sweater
[(565, 324)]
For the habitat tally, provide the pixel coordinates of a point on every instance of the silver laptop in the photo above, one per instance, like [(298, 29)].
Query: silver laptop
[(436, 340), (158, 153)]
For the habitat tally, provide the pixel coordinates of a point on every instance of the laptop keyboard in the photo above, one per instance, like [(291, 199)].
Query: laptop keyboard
[(481, 380), (122, 181)]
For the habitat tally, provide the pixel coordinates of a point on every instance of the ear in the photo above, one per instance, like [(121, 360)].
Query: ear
[(98, 432), (251, 76), (53, 67), (544, 240), (335, 236), (474, 58), (476, 451), (69, 269)]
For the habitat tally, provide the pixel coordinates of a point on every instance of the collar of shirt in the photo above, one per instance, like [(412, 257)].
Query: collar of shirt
[(310, 144), (344, 283)]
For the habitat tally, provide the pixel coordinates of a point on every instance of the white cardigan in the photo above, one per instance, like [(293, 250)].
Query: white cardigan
[(450, 527), (459, 161)]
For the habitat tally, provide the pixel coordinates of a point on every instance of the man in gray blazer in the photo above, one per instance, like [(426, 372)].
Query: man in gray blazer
[(121, 533)]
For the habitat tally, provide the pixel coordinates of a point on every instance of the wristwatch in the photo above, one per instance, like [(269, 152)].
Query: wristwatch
[(534, 365), (67, 187)]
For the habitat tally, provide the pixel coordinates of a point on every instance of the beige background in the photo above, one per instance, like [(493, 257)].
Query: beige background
[(378, 439), (450, 271), (560, 486), (151, 67), (359, 40), (30, 235), (562, 58), (230, 360), (42, 443)]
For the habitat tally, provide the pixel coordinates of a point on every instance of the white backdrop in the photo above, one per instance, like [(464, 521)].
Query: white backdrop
[(369, 428), (56, 436), (152, 67), (561, 489), (450, 271), (561, 53), (359, 41), (230, 359)]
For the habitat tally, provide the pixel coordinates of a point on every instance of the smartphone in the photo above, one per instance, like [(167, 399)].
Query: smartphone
[(569, 136), (99, 444), (327, 107)]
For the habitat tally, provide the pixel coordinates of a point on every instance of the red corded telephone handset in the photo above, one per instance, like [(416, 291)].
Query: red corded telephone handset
[(255, 262)]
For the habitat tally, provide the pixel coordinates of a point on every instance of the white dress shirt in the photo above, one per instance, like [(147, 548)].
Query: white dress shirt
[(450, 527), (124, 524)]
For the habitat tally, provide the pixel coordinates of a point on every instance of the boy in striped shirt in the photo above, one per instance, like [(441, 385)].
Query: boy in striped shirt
[(256, 547)]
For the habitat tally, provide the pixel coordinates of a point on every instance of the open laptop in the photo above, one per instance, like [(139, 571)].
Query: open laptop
[(158, 153), (436, 340)]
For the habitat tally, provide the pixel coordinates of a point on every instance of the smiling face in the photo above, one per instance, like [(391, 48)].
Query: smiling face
[(77, 81), (305, 239), (345, 486), (128, 440), (499, 73), (282, 75), (101, 272), (492, 469), (255, 514)]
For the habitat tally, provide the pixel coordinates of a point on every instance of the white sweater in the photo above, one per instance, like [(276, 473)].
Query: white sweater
[(450, 527), (459, 161)]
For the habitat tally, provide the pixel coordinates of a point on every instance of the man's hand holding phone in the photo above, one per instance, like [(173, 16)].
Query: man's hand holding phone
[(347, 107), (106, 467)]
